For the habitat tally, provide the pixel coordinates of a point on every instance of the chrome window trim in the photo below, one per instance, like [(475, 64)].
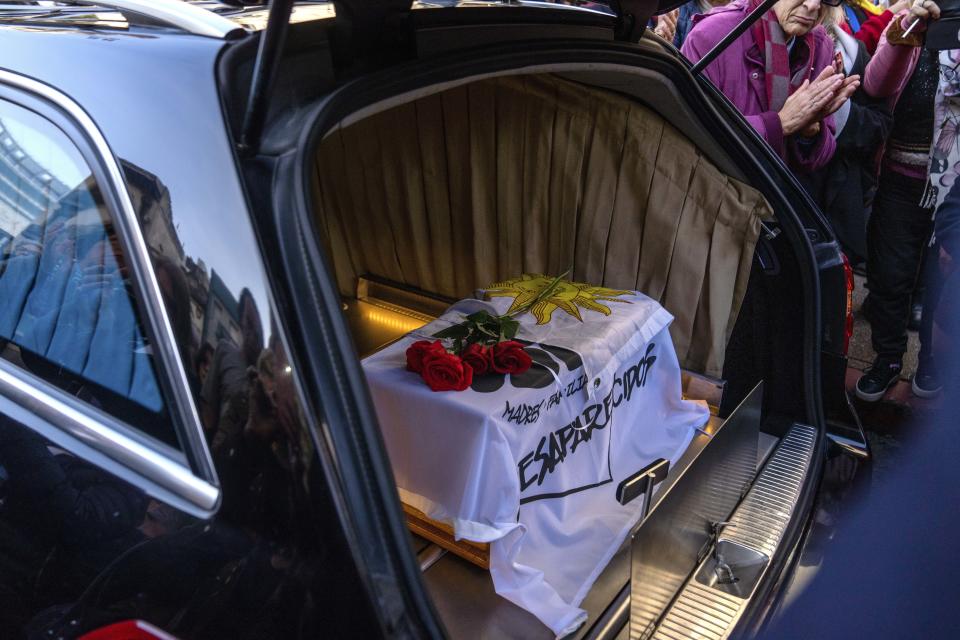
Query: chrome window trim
[(78, 431), (147, 461), (176, 13)]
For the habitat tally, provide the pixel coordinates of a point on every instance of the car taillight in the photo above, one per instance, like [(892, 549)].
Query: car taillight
[(128, 630), (848, 327)]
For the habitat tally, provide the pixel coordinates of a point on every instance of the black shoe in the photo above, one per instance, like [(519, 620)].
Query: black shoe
[(916, 314), (926, 381), (877, 379)]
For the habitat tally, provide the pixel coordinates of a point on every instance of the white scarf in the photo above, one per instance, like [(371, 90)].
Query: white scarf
[(848, 48)]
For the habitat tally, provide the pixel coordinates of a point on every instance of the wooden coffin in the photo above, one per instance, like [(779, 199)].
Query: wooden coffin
[(442, 535)]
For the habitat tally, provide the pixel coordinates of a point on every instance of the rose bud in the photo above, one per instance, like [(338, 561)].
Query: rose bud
[(419, 349), (510, 357), (478, 357), (446, 372)]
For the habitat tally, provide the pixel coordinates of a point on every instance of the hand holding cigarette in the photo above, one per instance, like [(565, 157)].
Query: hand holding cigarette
[(921, 10)]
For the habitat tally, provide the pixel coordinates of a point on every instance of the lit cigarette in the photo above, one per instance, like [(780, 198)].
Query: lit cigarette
[(910, 28)]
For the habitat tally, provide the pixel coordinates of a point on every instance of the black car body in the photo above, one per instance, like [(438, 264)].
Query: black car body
[(189, 132)]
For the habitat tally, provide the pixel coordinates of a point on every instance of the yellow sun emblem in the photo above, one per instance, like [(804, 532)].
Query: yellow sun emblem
[(566, 295)]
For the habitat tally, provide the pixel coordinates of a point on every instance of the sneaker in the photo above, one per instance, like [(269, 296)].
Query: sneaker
[(877, 379), (926, 381)]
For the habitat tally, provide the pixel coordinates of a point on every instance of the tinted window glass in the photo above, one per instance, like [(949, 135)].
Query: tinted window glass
[(67, 313)]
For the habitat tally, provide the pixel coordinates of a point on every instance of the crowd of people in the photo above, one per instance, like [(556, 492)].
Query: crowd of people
[(865, 112)]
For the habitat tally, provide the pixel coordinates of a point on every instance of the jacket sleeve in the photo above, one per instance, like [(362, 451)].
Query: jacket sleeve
[(695, 46), (871, 30), (868, 125), (684, 22), (767, 124), (807, 156), (891, 66)]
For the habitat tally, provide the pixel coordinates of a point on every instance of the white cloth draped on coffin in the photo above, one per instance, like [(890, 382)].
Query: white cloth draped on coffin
[(531, 463)]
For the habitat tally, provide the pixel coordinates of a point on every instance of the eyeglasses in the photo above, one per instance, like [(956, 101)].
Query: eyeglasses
[(832, 3)]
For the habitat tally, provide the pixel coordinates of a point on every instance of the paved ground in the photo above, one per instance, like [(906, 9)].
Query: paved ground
[(861, 353)]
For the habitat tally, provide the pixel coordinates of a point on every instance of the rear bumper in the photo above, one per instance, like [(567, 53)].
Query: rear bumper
[(846, 477)]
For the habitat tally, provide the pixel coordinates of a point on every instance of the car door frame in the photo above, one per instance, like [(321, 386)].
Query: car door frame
[(185, 480), (275, 180)]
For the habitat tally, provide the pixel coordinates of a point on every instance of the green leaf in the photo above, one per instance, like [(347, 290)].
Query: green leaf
[(479, 316), (509, 329), (485, 328), (457, 332)]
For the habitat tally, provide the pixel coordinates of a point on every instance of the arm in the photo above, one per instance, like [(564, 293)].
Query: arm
[(694, 47), (810, 154), (891, 67), (767, 124), (807, 155)]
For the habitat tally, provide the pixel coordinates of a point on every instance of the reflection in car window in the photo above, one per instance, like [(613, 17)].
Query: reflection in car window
[(67, 313)]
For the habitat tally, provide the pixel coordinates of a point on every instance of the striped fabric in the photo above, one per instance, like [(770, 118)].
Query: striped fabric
[(772, 43)]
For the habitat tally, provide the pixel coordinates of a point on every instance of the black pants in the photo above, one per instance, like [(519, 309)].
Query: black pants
[(933, 281), (898, 230)]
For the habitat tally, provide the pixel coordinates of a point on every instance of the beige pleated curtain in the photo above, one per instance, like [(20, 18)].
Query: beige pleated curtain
[(536, 174)]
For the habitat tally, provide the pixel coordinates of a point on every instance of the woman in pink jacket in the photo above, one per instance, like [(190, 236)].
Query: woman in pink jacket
[(906, 74), (791, 88)]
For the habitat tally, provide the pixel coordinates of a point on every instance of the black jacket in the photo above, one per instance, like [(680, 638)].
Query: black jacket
[(844, 187)]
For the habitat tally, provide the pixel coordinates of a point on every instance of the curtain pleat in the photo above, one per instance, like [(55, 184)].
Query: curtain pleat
[(437, 201), (483, 183), (636, 173), (538, 132), (689, 264), (343, 244), (511, 153), (457, 118), (599, 192), (570, 131), (536, 174)]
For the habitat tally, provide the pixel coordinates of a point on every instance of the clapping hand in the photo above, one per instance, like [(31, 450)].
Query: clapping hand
[(813, 101)]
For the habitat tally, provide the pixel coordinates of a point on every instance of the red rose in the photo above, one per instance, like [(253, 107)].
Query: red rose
[(478, 358), (509, 357), (444, 371), (419, 349)]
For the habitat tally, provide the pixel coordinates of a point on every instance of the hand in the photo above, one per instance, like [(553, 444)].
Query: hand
[(922, 10), (667, 25), (803, 107), (847, 88)]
